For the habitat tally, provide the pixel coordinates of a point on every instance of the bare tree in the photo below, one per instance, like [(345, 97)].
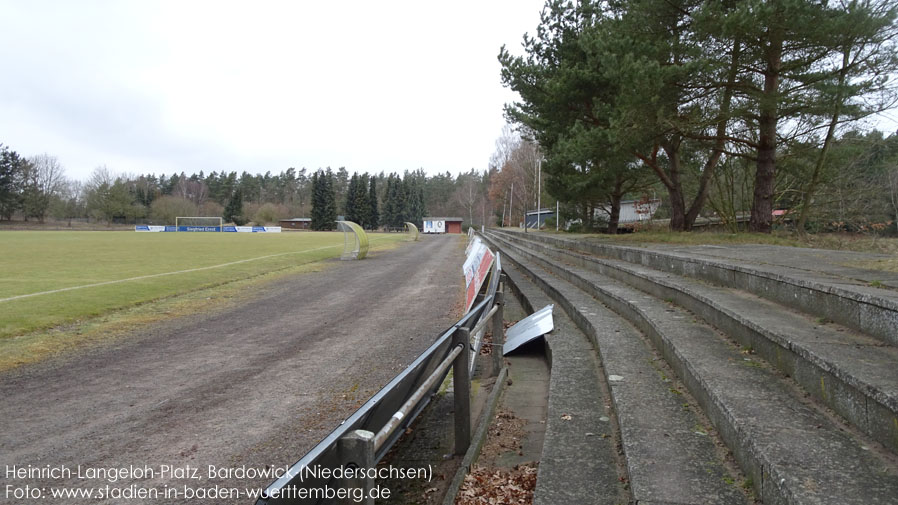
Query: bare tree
[(506, 144), (193, 190), (69, 201), (43, 179), (469, 194), (516, 182)]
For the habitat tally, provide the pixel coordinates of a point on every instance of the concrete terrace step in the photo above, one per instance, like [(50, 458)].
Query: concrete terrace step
[(849, 372), (871, 310), (577, 464), (792, 452), (670, 457)]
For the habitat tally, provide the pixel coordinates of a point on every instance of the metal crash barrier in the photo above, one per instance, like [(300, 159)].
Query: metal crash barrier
[(363, 439)]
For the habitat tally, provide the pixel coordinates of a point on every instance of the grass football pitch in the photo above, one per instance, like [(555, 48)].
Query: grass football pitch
[(53, 278)]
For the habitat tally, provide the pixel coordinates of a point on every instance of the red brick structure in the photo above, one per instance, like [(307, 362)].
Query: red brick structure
[(453, 225)]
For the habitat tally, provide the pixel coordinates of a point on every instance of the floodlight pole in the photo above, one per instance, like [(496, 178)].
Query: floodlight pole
[(539, 188), (510, 205), (503, 210)]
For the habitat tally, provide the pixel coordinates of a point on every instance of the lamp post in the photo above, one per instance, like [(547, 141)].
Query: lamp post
[(503, 211), (511, 206), (539, 190)]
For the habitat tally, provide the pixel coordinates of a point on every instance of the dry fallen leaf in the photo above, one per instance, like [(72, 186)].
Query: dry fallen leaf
[(491, 486)]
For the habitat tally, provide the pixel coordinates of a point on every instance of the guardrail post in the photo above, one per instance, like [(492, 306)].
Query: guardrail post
[(498, 333), (356, 450), (461, 384)]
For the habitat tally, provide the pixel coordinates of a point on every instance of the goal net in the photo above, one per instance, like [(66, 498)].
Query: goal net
[(198, 223)]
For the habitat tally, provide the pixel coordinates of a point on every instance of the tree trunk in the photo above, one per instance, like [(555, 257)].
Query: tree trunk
[(723, 117), (765, 175), (821, 159), (616, 196), (675, 188), (614, 217), (677, 209)]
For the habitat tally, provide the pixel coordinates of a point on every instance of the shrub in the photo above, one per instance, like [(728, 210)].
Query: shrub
[(165, 209)]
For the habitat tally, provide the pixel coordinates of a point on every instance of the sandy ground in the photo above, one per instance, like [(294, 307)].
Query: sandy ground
[(252, 388)]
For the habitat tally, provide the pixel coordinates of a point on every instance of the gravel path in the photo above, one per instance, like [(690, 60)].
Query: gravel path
[(252, 388)]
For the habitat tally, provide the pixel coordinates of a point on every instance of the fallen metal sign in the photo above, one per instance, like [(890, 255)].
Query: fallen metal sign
[(535, 325)]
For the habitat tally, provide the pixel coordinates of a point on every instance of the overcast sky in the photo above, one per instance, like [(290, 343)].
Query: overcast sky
[(163, 87)]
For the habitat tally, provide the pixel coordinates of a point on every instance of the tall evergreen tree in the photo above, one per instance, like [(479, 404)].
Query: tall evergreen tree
[(400, 203), (795, 50), (394, 202), (318, 203), (681, 85), (11, 169), (373, 214), (671, 108), (386, 215), (340, 183), (324, 202), (413, 190), (233, 212), (330, 198), (567, 99), (363, 208), (352, 212)]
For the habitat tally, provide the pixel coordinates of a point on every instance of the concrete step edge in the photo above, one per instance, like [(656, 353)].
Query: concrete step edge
[(666, 457), (870, 404), (795, 455), (591, 474), (870, 310)]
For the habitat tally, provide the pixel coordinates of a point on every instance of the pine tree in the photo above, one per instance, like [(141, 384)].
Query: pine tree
[(234, 211), (356, 205), (567, 100), (363, 208), (406, 206), (388, 203), (318, 201), (389, 209), (414, 198), (395, 204), (329, 201), (373, 214), (350, 209), (11, 167)]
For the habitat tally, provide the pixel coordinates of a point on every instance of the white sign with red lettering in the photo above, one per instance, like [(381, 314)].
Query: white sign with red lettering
[(476, 268)]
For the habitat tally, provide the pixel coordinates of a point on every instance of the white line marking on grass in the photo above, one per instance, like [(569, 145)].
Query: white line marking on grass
[(19, 297)]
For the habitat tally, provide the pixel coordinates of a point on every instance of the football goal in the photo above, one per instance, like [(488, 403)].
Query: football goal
[(198, 223)]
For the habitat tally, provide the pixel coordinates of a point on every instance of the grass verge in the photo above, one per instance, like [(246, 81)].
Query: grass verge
[(36, 340)]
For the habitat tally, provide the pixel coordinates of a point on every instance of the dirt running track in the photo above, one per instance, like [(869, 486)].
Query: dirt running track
[(257, 386)]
